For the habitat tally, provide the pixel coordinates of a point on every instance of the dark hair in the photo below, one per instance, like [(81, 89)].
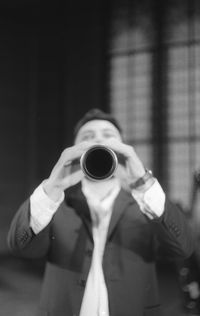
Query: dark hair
[(96, 114)]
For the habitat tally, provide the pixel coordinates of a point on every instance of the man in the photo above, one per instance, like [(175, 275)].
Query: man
[(100, 238)]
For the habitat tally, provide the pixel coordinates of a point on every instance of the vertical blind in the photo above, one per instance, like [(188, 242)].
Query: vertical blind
[(154, 59)]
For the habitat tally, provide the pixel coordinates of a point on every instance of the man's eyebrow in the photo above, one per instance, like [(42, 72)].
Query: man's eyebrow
[(88, 131), (91, 131), (109, 130)]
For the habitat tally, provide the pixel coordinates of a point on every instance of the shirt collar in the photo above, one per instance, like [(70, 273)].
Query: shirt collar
[(100, 196)]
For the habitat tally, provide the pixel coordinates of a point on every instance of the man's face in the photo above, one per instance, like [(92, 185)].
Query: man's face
[(97, 131)]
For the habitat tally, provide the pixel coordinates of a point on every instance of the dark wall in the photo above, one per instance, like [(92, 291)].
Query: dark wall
[(52, 69)]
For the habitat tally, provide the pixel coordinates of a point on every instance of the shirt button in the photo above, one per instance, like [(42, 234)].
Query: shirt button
[(89, 252), (82, 283)]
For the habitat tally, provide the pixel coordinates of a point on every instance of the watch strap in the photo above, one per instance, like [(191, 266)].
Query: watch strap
[(143, 180)]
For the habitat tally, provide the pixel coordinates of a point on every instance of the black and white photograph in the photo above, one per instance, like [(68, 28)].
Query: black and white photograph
[(100, 158)]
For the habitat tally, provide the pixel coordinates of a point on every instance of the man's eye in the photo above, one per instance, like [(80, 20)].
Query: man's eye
[(109, 135), (86, 137)]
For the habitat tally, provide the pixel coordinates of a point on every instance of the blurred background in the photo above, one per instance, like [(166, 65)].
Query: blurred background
[(138, 59)]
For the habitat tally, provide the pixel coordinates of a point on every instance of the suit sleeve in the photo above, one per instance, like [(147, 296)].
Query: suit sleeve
[(22, 241), (173, 233)]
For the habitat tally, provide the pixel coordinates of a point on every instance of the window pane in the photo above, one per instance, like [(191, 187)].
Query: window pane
[(197, 90), (178, 78), (132, 26), (131, 95), (197, 19), (176, 27), (180, 176)]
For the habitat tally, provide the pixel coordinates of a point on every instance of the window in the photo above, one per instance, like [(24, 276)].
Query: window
[(155, 86)]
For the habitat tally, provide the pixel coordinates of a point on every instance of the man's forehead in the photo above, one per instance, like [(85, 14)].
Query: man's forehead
[(97, 125)]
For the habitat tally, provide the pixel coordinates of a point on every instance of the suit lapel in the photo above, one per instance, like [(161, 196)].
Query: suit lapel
[(75, 198), (121, 203)]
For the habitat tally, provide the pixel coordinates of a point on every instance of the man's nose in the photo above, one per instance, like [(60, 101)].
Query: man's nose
[(99, 140)]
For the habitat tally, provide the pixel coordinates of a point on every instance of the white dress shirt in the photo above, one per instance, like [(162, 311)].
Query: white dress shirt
[(100, 198)]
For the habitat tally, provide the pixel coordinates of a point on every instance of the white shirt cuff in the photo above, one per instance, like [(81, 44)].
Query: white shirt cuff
[(42, 209), (152, 201)]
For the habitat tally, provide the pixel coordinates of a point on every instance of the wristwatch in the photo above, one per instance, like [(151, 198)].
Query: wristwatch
[(143, 180)]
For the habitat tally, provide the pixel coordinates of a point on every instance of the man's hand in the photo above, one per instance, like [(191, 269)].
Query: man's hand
[(134, 166), (63, 174)]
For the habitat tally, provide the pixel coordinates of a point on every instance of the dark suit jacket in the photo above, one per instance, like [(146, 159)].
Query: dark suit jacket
[(132, 245)]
